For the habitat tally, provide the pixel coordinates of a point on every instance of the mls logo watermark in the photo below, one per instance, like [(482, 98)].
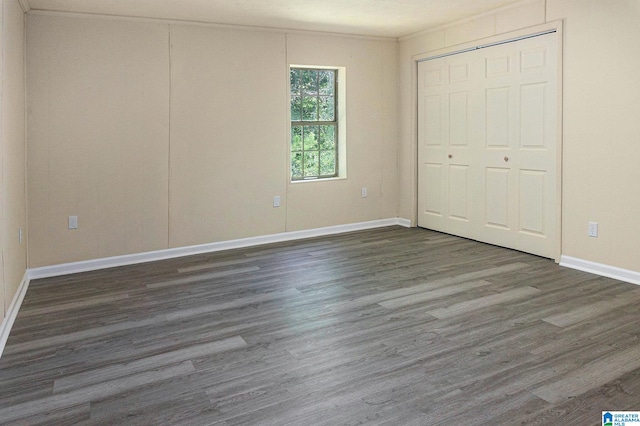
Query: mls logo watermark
[(621, 418)]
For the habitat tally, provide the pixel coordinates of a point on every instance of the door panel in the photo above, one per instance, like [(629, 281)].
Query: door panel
[(533, 59), (487, 149), (498, 66), (497, 197), (458, 119), (433, 189), (458, 72), (497, 134), (532, 115), (433, 77), (532, 202), (458, 198), (433, 128)]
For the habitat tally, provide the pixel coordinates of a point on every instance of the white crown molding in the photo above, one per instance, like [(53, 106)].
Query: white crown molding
[(130, 259), (26, 7), (626, 275), (12, 312)]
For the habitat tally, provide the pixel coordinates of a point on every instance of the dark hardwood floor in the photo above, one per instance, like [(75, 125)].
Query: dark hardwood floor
[(390, 326)]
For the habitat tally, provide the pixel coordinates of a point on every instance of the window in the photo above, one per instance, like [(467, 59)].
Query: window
[(314, 123)]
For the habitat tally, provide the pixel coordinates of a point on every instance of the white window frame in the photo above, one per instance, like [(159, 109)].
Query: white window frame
[(341, 116)]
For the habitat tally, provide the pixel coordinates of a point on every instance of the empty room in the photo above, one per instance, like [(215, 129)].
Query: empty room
[(276, 212)]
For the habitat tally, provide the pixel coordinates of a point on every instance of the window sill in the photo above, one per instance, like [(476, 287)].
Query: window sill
[(317, 180)]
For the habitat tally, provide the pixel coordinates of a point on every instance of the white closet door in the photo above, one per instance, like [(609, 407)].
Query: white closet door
[(487, 148)]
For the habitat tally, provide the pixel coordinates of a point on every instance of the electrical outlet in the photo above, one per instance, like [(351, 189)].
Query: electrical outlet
[(593, 229), (363, 192), (20, 235), (276, 201), (73, 222)]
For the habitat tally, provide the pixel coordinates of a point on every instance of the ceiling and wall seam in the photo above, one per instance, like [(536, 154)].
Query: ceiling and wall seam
[(364, 18), (209, 25)]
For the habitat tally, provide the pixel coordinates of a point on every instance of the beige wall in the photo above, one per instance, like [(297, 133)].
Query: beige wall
[(12, 143), (600, 126), (371, 135), (98, 137), (228, 134), (161, 136), (102, 145), (601, 129)]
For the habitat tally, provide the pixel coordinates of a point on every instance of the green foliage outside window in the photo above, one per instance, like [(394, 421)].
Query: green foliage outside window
[(313, 123)]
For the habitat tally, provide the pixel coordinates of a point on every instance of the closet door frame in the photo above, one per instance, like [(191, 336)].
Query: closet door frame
[(551, 27)]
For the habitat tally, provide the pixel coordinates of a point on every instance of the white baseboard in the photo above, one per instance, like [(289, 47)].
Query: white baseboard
[(601, 269), (404, 222), (110, 262), (130, 259), (12, 312), (91, 265)]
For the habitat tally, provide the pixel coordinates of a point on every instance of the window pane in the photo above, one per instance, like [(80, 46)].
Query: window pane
[(313, 100), (327, 109), (311, 164), (296, 165), (294, 81), (309, 82), (327, 163), (326, 82), (296, 108), (309, 109), (327, 138), (296, 138), (310, 138)]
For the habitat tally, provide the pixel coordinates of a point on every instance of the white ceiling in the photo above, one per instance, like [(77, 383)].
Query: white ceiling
[(385, 18)]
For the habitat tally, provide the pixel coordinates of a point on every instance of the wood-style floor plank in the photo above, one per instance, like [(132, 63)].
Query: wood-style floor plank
[(391, 326)]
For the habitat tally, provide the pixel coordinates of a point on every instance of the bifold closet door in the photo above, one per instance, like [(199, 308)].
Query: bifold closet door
[(487, 144)]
